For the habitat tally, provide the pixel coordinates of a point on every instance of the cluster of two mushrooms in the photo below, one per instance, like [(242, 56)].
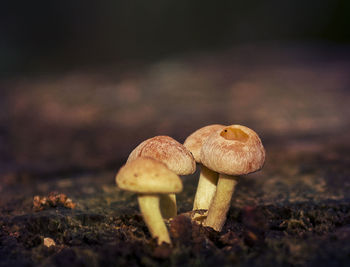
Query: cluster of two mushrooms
[(152, 171)]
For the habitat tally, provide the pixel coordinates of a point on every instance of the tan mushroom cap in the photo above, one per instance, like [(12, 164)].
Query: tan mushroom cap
[(148, 176), (194, 142), (167, 150), (234, 150)]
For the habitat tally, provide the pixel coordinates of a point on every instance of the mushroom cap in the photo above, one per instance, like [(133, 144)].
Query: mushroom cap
[(148, 176), (194, 141), (234, 150), (167, 150)]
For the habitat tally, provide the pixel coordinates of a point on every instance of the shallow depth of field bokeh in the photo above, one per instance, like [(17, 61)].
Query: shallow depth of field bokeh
[(82, 85)]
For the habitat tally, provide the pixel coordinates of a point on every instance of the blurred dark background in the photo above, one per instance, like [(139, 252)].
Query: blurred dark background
[(83, 82), (61, 35)]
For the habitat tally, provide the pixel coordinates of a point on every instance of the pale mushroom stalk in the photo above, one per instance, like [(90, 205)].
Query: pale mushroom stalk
[(221, 202), (206, 188), (168, 206), (149, 206), (207, 178)]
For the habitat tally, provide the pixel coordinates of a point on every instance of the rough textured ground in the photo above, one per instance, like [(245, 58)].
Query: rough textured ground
[(70, 132)]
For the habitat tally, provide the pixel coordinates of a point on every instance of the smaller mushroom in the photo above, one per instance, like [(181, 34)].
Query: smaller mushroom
[(207, 178), (175, 156), (233, 151), (150, 179)]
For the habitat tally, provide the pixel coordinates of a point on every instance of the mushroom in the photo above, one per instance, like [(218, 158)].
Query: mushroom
[(233, 151), (175, 156), (150, 178), (207, 178)]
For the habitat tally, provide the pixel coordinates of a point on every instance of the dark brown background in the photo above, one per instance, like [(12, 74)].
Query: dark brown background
[(81, 86)]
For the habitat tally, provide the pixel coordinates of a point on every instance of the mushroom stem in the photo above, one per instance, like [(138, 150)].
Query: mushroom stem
[(149, 206), (206, 189), (168, 206), (221, 203)]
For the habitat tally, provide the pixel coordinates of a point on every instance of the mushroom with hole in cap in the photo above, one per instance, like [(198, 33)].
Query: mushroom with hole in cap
[(175, 156), (150, 178), (233, 151), (207, 178)]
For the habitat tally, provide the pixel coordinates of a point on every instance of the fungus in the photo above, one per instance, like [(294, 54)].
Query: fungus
[(175, 156), (150, 178), (207, 178), (233, 151)]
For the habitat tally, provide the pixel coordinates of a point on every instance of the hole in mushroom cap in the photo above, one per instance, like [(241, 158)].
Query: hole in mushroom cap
[(234, 134)]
